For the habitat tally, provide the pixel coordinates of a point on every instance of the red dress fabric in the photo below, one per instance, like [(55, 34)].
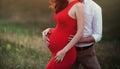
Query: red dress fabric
[(65, 26)]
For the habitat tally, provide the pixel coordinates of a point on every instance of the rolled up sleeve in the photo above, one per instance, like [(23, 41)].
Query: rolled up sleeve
[(97, 24)]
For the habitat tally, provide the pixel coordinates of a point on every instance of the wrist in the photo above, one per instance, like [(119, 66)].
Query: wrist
[(64, 50)]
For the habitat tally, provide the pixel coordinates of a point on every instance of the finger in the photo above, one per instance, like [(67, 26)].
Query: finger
[(69, 38), (49, 32), (47, 39), (57, 59), (71, 35), (46, 42), (45, 33), (61, 59)]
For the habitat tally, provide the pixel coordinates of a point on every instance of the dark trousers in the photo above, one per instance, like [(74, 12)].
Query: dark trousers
[(87, 58)]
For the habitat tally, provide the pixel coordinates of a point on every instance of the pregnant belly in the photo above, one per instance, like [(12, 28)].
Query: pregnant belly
[(58, 41)]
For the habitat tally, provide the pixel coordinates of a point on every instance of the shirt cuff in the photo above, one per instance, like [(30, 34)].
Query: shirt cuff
[(97, 37)]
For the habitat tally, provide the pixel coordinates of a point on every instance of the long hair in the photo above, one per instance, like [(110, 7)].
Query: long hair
[(58, 5)]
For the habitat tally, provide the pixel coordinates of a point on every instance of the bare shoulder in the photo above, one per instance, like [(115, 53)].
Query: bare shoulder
[(78, 5)]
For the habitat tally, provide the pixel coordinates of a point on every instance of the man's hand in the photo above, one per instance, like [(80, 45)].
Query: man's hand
[(59, 56), (45, 35), (70, 37)]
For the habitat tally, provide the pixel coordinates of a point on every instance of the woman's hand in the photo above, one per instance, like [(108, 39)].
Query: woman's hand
[(45, 34), (60, 56)]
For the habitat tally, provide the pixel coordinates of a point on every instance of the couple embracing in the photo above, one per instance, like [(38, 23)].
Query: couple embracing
[(78, 27)]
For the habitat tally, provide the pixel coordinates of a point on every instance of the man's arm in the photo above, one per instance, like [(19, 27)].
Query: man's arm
[(96, 27), (97, 24), (88, 39)]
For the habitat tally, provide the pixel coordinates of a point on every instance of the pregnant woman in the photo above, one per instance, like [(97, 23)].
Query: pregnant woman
[(69, 18)]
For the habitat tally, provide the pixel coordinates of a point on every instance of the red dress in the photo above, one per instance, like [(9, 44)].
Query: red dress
[(65, 27)]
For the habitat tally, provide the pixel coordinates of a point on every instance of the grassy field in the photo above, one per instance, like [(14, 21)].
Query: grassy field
[(16, 56), (21, 24), (24, 48)]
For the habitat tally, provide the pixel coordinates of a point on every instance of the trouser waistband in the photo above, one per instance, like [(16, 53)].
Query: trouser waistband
[(83, 48)]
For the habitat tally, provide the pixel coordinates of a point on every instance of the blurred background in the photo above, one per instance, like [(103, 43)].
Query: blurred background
[(21, 24)]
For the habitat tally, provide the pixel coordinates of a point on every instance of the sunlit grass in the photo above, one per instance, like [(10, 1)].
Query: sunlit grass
[(16, 56), (25, 50)]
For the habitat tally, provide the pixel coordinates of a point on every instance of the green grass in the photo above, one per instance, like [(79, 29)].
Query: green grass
[(15, 56), (28, 28), (18, 28)]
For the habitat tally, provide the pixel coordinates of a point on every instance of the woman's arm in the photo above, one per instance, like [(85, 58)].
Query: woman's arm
[(80, 27), (79, 14)]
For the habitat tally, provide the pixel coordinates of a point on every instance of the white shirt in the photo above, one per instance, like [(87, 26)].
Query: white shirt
[(93, 22)]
